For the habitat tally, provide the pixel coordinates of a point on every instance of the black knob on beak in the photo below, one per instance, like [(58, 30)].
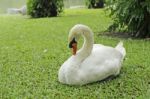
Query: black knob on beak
[(72, 42)]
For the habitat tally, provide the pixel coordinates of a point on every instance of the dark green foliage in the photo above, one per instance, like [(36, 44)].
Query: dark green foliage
[(132, 16), (95, 3), (44, 8)]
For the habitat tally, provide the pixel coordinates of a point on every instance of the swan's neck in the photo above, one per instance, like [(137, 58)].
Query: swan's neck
[(87, 47)]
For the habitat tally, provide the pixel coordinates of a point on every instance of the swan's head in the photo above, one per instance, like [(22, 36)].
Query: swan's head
[(74, 35)]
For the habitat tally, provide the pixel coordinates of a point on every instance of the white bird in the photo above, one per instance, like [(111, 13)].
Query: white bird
[(22, 10), (93, 62)]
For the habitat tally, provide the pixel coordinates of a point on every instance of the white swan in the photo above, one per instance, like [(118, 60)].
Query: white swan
[(22, 10), (93, 62)]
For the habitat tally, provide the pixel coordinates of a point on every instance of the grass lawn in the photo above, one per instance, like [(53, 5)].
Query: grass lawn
[(32, 51)]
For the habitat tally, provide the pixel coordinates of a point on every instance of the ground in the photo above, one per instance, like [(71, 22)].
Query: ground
[(32, 51)]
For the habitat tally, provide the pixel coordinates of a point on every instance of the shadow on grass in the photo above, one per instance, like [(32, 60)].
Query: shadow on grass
[(122, 35), (116, 35)]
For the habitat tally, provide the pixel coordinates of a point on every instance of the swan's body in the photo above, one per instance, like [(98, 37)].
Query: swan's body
[(93, 62), (22, 10)]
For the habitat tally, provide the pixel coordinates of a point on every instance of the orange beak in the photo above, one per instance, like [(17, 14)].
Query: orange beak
[(74, 48)]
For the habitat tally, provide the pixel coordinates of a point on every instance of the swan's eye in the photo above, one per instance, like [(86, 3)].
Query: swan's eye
[(72, 42)]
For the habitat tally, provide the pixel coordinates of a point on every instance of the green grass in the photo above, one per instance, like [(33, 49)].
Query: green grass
[(32, 51)]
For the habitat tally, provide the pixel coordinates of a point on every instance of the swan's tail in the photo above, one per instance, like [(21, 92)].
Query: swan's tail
[(121, 48)]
